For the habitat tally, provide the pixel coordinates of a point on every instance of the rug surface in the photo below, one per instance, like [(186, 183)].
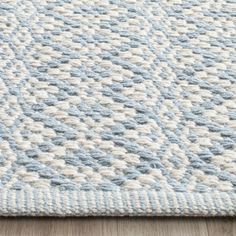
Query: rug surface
[(117, 107)]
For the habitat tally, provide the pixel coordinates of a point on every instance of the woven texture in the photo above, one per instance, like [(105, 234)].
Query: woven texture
[(112, 107)]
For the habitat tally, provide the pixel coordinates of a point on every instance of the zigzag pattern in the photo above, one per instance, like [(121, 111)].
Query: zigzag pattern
[(107, 95)]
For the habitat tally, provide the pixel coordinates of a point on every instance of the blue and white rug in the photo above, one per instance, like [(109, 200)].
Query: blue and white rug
[(117, 107)]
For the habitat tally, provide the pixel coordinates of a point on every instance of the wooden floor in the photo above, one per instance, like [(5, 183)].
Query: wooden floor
[(117, 226)]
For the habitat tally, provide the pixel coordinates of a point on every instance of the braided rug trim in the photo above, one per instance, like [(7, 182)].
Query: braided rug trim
[(117, 107)]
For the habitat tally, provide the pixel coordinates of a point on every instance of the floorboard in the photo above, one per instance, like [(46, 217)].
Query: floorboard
[(118, 226)]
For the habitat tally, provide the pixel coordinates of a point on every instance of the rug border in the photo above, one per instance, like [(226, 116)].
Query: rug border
[(38, 202)]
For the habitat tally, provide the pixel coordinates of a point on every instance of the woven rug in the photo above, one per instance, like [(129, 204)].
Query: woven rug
[(117, 107)]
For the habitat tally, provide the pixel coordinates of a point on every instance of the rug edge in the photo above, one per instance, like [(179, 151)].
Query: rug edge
[(36, 202)]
